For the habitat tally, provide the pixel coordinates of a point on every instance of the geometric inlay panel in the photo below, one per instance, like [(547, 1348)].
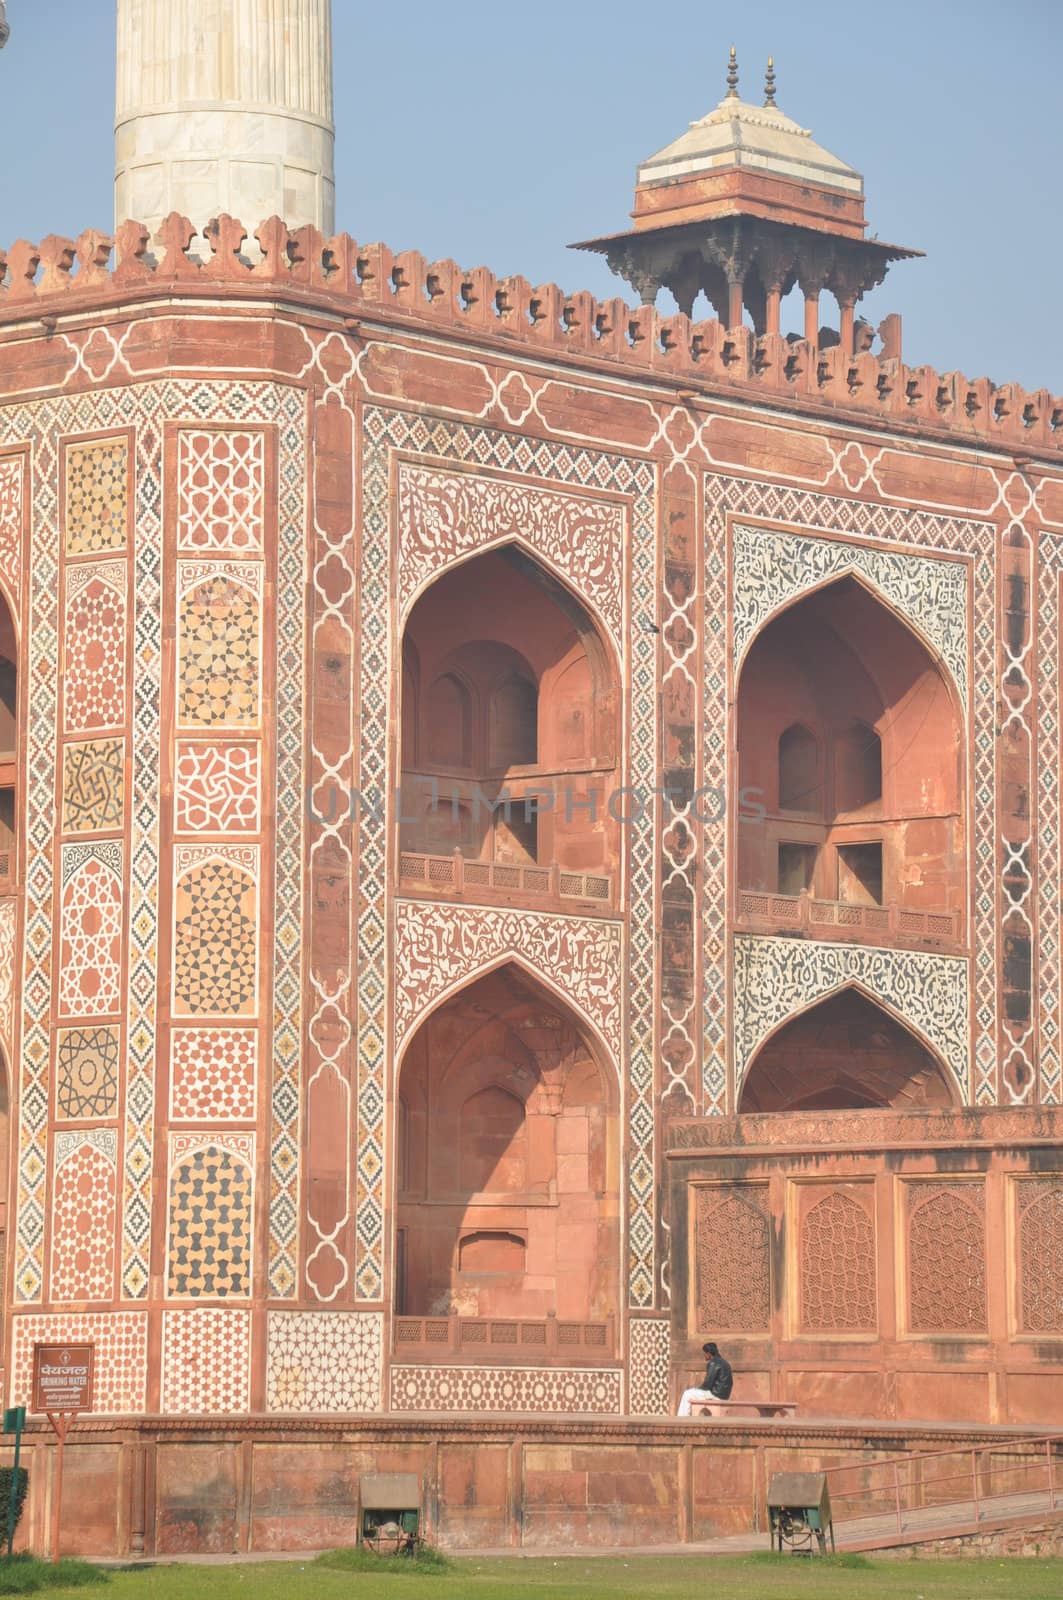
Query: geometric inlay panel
[(732, 1285), (90, 962), (121, 1340), (84, 1215), (221, 490), (324, 1361), (650, 1368), (8, 917), (946, 1258), (775, 979), (215, 962), (772, 568), (93, 786), (211, 1213), (219, 644), (444, 515), (206, 1362), (438, 947), (97, 496), (86, 1073), (12, 513), (85, 616), (506, 1389), (213, 1074), (94, 647), (217, 788), (838, 1266)]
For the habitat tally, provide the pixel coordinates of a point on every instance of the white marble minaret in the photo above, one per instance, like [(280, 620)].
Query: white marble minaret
[(225, 105)]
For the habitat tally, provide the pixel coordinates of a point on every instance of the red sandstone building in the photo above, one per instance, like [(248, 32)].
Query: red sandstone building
[(364, 1120)]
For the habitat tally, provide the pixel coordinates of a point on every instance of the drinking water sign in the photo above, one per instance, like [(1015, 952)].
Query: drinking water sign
[(62, 1377), (62, 1387)]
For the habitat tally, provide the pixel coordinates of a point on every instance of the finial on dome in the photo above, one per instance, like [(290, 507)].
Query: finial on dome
[(769, 83), (732, 75)]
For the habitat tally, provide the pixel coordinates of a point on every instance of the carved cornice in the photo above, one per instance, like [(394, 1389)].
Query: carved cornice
[(637, 1431)]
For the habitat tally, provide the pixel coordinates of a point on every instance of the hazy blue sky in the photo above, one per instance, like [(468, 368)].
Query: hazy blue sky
[(497, 133)]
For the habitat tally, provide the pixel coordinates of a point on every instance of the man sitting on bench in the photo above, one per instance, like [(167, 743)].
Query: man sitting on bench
[(719, 1381)]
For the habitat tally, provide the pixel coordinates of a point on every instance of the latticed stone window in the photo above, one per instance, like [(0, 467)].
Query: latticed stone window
[(732, 1259), (946, 1258), (838, 1279)]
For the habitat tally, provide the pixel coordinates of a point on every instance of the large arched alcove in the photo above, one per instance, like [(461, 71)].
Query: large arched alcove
[(849, 728), (508, 1202), (508, 688), (845, 1054)]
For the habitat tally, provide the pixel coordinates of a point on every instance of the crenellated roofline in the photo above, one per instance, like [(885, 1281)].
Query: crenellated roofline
[(61, 276)]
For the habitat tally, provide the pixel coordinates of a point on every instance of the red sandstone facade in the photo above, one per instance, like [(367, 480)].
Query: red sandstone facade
[(342, 1095)]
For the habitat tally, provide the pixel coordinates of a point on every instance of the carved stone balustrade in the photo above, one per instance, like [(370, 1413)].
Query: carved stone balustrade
[(801, 915), (454, 876)]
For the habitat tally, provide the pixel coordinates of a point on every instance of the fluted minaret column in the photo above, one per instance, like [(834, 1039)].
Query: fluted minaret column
[(225, 105)]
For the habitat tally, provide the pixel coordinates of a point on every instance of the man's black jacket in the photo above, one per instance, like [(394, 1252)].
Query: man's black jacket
[(718, 1378)]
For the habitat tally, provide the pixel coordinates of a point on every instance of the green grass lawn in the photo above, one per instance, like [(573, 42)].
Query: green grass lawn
[(608, 1578)]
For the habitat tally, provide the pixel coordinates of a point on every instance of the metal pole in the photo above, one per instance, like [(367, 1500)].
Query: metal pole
[(897, 1496), (1051, 1483), (974, 1483), (13, 1497), (59, 1423)]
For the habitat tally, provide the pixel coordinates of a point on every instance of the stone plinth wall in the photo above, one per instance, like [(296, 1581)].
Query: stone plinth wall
[(218, 1488), (1038, 1540)]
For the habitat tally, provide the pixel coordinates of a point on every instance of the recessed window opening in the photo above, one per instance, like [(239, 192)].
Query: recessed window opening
[(797, 865), (513, 724), (799, 779), (858, 768), (860, 874)]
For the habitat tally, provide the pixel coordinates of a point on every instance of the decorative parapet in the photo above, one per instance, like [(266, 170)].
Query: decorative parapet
[(367, 280)]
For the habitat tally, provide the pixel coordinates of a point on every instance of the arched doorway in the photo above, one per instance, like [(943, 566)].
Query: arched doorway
[(845, 1054), (850, 730), (508, 1151), (508, 689)]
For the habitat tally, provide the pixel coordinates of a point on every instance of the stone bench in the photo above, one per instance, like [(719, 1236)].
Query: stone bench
[(737, 1408)]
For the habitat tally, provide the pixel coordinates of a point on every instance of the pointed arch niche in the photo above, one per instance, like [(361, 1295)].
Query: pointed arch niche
[(508, 1201), (845, 1053), (509, 688), (850, 729)]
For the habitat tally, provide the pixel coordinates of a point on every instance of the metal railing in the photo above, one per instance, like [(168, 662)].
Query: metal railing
[(838, 919), (984, 1481), (455, 874)]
